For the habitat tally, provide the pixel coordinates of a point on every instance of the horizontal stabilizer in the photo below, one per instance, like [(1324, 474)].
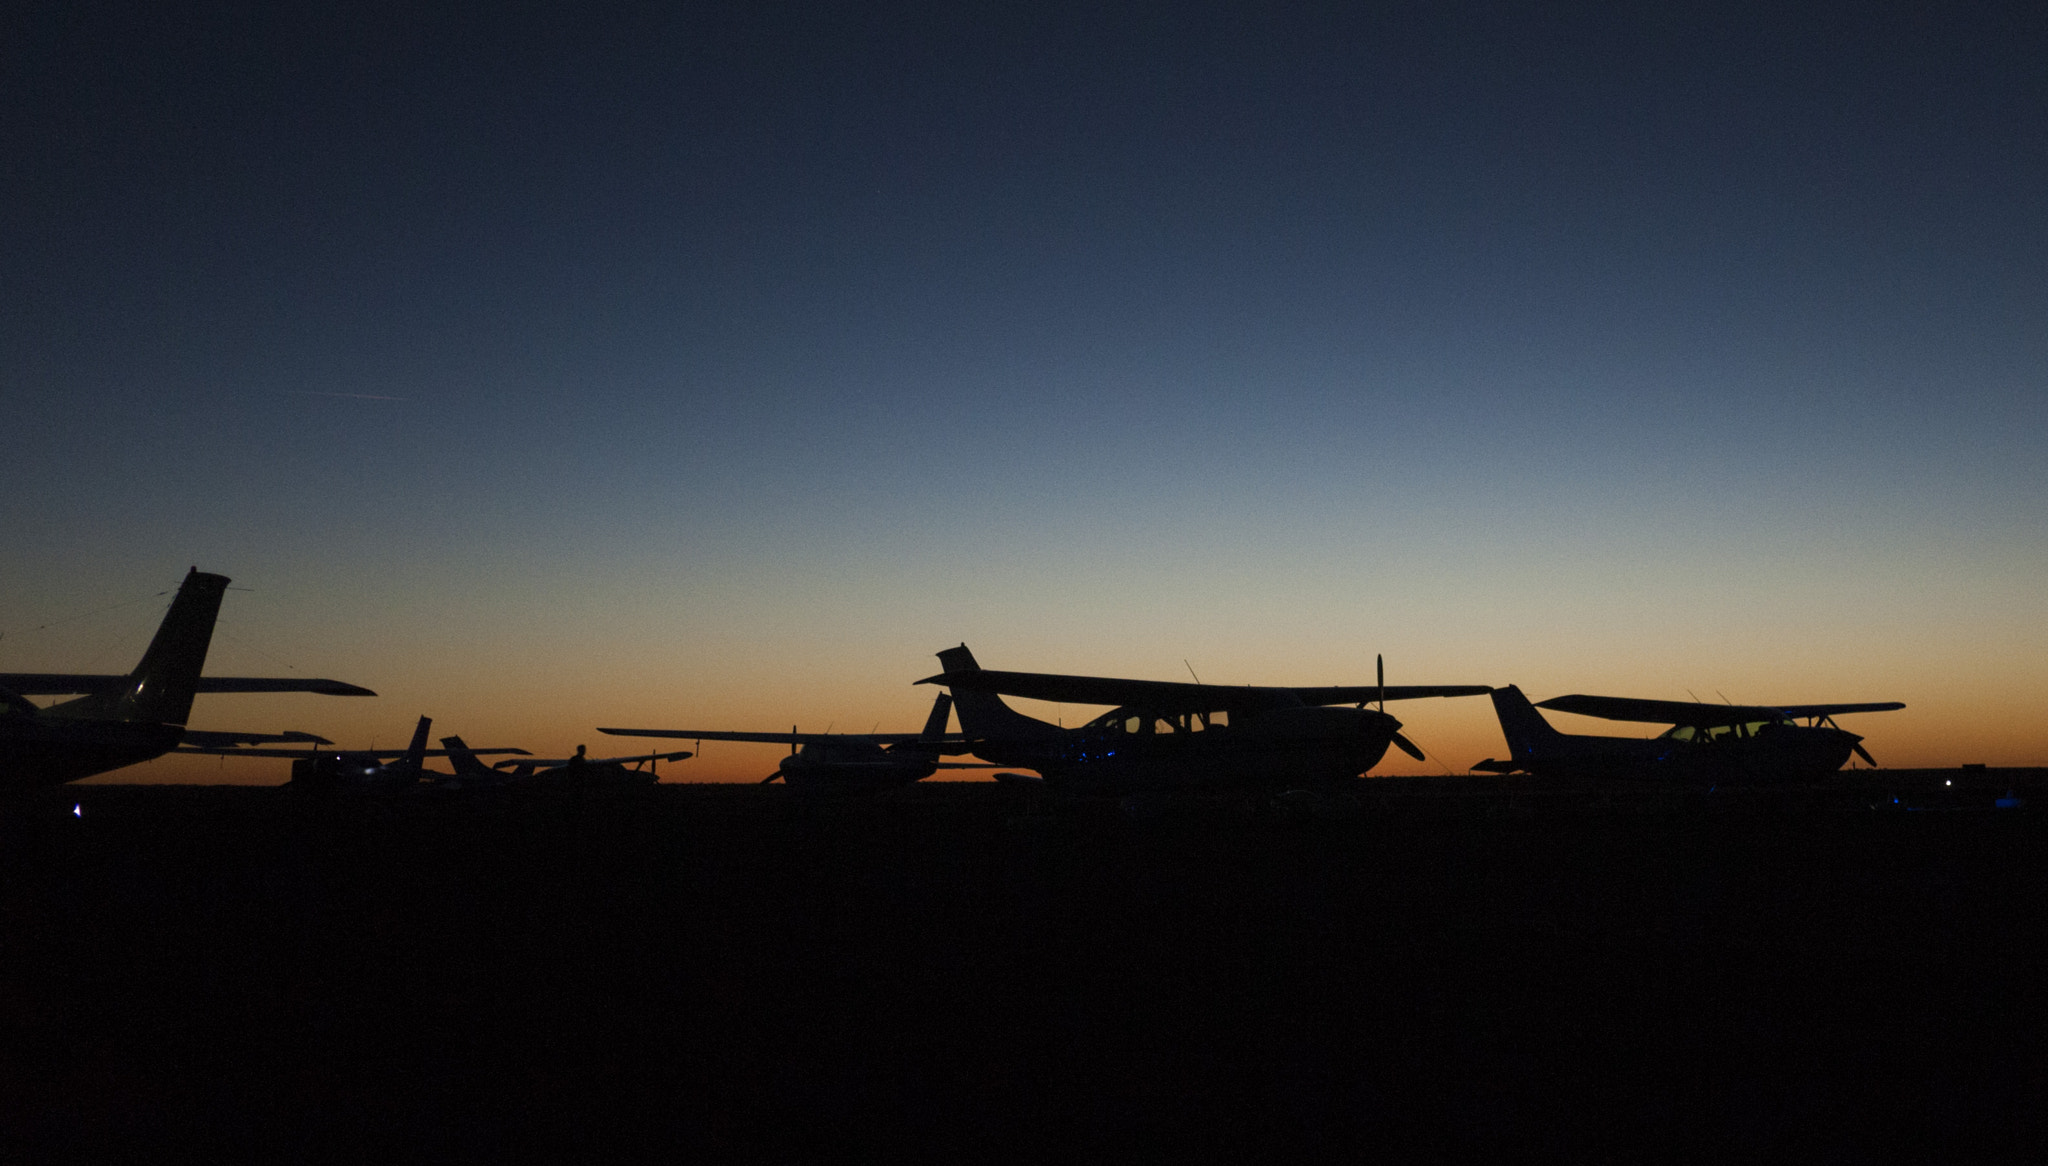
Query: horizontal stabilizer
[(74, 683)]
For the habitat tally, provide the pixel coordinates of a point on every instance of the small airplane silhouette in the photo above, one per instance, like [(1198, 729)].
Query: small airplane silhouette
[(1169, 735), (367, 771), (831, 764), (1706, 744), (573, 771)]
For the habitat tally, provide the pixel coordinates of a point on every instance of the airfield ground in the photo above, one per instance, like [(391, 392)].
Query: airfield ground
[(1436, 967)]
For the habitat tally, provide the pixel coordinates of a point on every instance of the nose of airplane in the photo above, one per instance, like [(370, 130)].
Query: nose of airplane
[(1372, 720)]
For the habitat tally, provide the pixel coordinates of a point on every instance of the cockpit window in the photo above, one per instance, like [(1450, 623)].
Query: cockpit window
[(1718, 732), (1126, 720)]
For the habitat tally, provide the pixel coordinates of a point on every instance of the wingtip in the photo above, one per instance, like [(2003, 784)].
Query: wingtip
[(339, 688)]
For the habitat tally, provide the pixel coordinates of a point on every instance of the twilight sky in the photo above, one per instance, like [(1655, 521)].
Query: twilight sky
[(713, 366)]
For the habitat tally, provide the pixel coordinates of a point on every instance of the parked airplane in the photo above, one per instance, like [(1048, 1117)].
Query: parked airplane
[(121, 720), (1707, 744), (1168, 735), (578, 770), (847, 763), (355, 770)]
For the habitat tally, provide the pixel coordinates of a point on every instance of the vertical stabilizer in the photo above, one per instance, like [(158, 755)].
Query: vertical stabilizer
[(161, 688), (1529, 736), (416, 753), (942, 711), (983, 714), (466, 763)]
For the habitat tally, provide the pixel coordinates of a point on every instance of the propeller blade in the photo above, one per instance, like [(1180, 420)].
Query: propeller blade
[(1408, 747), (1864, 754), (771, 777), (1379, 666)]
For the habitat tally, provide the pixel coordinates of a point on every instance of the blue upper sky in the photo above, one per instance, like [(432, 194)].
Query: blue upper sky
[(691, 350)]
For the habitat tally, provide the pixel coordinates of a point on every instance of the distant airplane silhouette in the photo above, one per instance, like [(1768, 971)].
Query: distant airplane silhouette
[(833, 764), (1706, 744), (1169, 735), (121, 720), (578, 770), (362, 771)]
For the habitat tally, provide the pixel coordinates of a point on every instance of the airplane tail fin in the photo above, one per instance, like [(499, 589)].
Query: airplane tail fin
[(1528, 734), (983, 714), (942, 711), (466, 763), (163, 684), (416, 753)]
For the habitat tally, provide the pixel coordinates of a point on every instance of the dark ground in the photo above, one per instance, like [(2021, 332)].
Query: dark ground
[(1438, 968)]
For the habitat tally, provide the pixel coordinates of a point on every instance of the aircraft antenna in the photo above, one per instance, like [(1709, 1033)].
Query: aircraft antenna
[(1723, 696), (97, 610), (1191, 669), (1695, 696)]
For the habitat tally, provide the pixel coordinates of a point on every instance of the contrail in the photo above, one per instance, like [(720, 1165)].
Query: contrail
[(349, 396)]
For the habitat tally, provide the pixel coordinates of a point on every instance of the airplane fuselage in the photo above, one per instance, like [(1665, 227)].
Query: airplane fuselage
[(1131, 750), (351, 773), (46, 750), (1776, 754), (853, 765), (592, 773)]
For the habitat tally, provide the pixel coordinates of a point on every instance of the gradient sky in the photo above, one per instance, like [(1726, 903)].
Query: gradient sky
[(713, 366)]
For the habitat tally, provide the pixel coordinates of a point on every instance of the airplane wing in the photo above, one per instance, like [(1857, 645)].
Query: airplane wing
[(70, 683), (1698, 715), (218, 739), (787, 738), (888, 766), (1178, 696), (556, 762), (1370, 693), (266, 751)]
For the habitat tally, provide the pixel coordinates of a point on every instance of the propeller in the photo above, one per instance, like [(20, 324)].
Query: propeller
[(773, 776), (1379, 665), (1863, 753), (1408, 747)]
